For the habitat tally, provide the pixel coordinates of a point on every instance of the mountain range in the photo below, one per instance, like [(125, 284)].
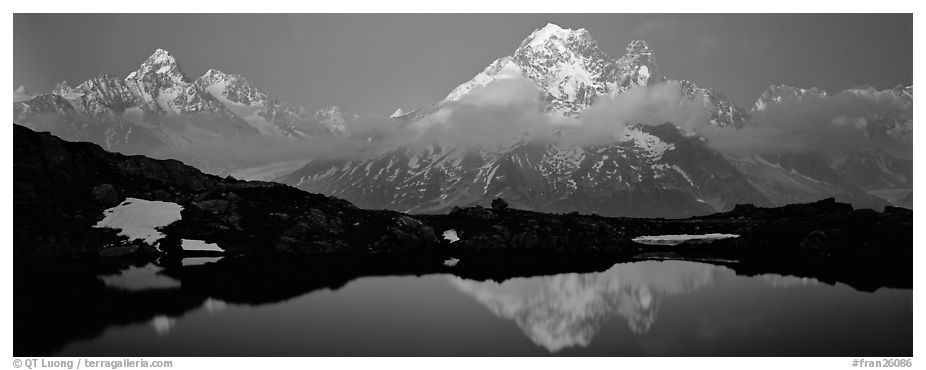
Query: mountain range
[(158, 106), (652, 169)]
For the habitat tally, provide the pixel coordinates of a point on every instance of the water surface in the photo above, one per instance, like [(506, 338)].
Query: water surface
[(645, 308)]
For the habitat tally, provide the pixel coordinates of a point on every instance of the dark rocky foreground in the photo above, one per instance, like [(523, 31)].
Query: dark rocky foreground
[(61, 189), (282, 242)]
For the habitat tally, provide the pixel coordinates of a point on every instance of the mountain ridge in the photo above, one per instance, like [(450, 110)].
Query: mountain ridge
[(138, 114), (157, 107), (571, 73)]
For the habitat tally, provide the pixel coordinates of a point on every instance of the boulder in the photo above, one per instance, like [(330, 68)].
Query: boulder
[(499, 204)]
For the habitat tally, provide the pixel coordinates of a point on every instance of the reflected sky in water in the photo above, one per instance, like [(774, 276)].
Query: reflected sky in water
[(663, 308), (134, 278)]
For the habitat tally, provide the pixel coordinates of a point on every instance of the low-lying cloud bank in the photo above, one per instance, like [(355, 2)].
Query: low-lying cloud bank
[(832, 126), (495, 115), (20, 93), (489, 118)]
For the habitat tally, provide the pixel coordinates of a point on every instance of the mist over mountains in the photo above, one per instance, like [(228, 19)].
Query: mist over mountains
[(556, 126)]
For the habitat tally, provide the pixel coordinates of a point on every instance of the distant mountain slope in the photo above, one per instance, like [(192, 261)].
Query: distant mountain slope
[(887, 115), (653, 168), (801, 177), (873, 168), (158, 106), (650, 171)]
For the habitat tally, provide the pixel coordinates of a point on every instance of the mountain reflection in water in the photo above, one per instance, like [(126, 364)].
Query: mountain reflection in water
[(231, 306), (566, 310)]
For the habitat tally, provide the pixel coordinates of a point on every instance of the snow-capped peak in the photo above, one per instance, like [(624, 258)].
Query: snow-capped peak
[(214, 74), (398, 113), (65, 90), (499, 69), (723, 112), (160, 63), (161, 56), (552, 36), (215, 82), (546, 31), (638, 47), (569, 68), (551, 31)]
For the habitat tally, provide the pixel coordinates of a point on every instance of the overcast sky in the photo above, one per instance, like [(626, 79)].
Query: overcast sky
[(377, 63)]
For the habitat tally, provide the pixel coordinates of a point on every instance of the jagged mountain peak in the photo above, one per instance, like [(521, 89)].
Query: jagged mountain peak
[(551, 32), (638, 47), (232, 87), (161, 56), (65, 90), (639, 65), (214, 76), (161, 86), (788, 88), (45, 103), (555, 41), (573, 71), (569, 68), (214, 73), (723, 112), (776, 94), (61, 87), (160, 63)]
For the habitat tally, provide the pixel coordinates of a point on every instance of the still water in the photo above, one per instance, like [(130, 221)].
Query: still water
[(646, 308)]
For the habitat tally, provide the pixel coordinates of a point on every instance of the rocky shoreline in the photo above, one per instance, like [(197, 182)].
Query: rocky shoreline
[(62, 188)]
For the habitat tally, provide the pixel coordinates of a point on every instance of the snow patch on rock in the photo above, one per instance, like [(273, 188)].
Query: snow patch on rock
[(140, 219), (681, 238), (198, 261), (451, 235), (199, 245)]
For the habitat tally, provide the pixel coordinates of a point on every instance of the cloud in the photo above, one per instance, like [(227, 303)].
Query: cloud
[(832, 126), (212, 142), (491, 117), (20, 93), (507, 110), (504, 110), (511, 109), (488, 117), (606, 120)]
